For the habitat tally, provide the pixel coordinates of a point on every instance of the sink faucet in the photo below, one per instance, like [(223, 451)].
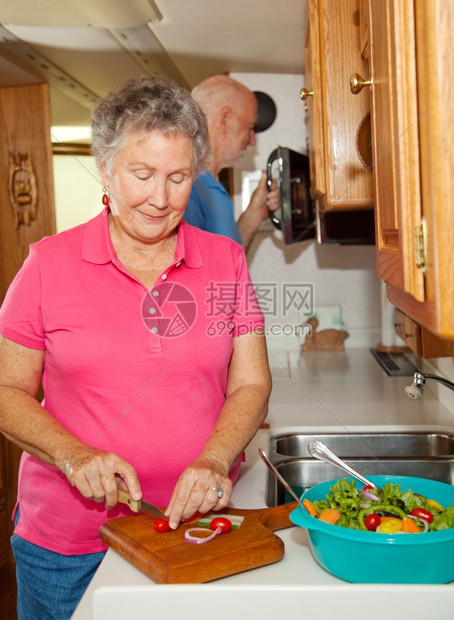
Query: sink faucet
[(415, 390)]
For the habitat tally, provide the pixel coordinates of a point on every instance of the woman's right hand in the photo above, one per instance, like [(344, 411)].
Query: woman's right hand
[(98, 474)]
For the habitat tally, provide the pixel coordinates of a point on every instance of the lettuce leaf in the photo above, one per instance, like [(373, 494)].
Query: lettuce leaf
[(443, 520), (391, 492), (346, 498), (411, 500)]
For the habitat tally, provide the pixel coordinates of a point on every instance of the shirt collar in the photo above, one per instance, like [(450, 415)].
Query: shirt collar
[(188, 246), (210, 181), (97, 246)]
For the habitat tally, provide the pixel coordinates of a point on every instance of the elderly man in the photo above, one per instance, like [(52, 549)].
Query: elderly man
[(231, 112)]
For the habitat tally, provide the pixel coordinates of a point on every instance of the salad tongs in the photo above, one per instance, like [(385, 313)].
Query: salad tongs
[(318, 450)]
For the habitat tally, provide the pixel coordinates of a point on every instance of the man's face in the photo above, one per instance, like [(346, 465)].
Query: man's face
[(241, 129)]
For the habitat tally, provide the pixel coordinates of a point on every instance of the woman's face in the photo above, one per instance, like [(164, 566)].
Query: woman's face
[(150, 183)]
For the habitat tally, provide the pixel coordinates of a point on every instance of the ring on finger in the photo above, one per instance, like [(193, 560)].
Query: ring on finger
[(220, 492)]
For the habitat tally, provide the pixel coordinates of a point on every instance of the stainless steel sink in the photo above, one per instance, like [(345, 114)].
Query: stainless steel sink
[(421, 454)]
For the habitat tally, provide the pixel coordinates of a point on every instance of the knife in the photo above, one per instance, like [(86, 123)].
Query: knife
[(139, 504)]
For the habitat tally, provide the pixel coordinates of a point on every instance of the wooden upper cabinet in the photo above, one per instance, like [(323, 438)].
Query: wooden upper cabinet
[(395, 143), (338, 122), (412, 109), (312, 95)]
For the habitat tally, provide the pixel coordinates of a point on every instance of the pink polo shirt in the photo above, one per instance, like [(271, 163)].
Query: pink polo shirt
[(137, 372)]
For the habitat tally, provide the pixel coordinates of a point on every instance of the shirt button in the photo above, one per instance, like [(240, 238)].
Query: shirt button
[(178, 264), (154, 330), (164, 276), (152, 310), (155, 294)]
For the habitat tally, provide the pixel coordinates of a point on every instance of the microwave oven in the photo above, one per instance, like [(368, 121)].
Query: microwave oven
[(298, 217)]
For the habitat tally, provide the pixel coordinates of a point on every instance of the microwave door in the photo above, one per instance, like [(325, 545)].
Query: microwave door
[(286, 196), (296, 212)]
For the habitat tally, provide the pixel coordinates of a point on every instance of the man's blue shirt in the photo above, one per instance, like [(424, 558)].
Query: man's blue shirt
[(210, 208)]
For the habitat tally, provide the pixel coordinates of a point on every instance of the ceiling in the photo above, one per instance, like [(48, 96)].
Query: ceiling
[(83, 48)]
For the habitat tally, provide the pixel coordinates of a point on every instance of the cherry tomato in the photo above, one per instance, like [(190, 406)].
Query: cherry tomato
[(223, 523), (368, 487), (422, 513), (161, 525), (371, 522)]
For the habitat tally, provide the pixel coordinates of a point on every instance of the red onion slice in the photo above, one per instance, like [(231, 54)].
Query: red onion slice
[(198, 540), (370, 496), (423, 521)]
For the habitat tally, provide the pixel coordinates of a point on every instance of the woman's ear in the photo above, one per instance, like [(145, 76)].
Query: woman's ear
[(103, 174)]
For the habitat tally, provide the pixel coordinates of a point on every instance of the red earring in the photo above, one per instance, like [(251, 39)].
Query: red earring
[(105, 197)]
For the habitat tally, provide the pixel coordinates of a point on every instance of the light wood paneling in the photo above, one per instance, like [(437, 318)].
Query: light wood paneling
[(25, 141)]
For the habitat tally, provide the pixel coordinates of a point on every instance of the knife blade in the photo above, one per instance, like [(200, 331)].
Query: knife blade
[(139, 504)]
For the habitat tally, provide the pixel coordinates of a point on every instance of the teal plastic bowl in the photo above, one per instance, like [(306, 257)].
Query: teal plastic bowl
[(369, 557)]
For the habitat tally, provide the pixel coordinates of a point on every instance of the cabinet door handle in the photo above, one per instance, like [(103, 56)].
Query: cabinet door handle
[(357, 83), (305, 94)]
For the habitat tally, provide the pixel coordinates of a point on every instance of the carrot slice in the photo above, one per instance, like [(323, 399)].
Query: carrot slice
[(330, 515), (309, 506), (408, 525)]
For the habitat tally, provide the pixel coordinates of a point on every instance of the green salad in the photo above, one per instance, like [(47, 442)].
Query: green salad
[(387, 510)]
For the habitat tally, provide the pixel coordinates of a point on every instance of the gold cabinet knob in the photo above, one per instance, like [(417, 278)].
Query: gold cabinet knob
[(357, 83), (305, 94)]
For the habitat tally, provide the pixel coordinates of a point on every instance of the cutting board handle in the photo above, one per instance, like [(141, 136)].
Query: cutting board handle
[(277, 517)]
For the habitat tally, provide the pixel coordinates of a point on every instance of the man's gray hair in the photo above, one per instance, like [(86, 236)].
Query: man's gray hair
[(220, 90)]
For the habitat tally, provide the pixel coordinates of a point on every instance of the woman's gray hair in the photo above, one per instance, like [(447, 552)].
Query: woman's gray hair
[(146, 104)]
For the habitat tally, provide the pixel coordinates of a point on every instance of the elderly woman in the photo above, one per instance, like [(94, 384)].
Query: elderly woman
[(148, 341)]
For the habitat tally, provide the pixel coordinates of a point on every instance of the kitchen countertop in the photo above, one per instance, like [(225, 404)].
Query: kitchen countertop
[(317, 391)]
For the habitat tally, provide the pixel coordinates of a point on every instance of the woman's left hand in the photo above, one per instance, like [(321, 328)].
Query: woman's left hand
[(203, 486)]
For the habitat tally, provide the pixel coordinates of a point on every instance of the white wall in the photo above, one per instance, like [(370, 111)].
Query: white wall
[(341, 275), (289, 128), (78, 190)]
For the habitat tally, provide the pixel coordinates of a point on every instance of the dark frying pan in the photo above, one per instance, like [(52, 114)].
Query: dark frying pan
[(266, 112)]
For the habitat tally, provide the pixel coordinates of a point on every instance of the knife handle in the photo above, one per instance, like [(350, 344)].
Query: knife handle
[(125, 498)]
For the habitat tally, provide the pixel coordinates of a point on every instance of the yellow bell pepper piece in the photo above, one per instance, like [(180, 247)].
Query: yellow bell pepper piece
[(389, 525), (435, 504)]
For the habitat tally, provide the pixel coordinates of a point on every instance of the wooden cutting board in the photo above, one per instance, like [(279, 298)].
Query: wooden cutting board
[(168, 558)]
